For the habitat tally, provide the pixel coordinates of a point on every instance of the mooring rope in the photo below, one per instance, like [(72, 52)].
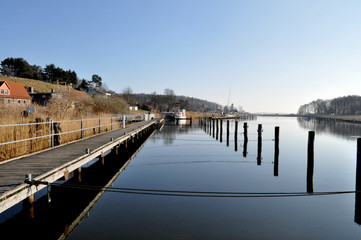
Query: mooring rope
[(209, 194)]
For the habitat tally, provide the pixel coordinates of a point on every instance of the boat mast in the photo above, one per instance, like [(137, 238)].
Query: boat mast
[(229, 97)]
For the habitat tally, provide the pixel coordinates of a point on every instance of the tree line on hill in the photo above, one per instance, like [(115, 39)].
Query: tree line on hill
[(19, 67), (348, 105), (168, 101)]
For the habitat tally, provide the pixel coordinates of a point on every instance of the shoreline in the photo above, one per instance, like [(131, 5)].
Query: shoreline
[(339, 118)]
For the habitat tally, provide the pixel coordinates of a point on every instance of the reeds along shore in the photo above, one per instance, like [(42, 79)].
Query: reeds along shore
[(41, 127), (57, 111)]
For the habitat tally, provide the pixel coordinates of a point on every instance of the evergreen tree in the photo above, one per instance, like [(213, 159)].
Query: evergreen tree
[(96, 80)]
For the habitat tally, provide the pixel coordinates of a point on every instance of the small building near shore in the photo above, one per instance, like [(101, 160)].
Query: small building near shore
[(14, 93), (43, 98)]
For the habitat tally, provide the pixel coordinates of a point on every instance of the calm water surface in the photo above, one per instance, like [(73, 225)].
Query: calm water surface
[(190, 158)]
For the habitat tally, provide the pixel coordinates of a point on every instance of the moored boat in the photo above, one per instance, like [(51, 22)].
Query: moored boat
[(180, 114)]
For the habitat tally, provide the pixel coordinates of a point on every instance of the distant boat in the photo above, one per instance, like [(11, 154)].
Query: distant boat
[(180, 114)]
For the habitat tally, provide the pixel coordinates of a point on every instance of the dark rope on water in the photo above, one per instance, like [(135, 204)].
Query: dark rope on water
[(178, 193)]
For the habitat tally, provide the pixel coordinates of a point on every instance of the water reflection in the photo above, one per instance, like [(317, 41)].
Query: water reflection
[(69, 205), (341, 129), (168, 134)]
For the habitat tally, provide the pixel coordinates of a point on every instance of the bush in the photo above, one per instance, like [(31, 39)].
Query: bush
[(113, 105)]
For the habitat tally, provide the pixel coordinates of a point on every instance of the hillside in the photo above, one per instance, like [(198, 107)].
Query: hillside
[(347, 105), (149, 102), (39, 86), (163, 102), (73, 104)]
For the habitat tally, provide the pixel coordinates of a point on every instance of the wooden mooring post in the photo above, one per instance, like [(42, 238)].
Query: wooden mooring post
[(210, 126), (259, 145), (227, 133), (221, 131), (245, 143), (245, 140), (213, 122), (358, 184), (235, 136), (205, 124), (277, 151), (245, 131), (217, 129), (310, 161)]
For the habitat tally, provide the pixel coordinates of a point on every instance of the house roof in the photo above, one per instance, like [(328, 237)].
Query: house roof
[(4, 82), (17, 90)]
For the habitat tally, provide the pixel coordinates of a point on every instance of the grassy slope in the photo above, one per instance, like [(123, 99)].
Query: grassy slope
[(39, 86)]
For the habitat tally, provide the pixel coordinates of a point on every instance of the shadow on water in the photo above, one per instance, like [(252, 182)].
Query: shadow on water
[(69, 206)]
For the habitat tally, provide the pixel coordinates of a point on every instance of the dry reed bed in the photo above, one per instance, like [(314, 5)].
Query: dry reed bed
[(70, 131)]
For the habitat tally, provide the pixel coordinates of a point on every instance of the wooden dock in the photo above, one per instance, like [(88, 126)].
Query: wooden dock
[(55, 163)]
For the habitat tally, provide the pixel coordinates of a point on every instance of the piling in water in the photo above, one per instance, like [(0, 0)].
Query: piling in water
[(358, 184), (235, 136), (245, 130), (277, 151), (259, 145), (245, 140), (217, 130), (245, 143), (213, 127), (310, 161), (227, 133), (221, 133)]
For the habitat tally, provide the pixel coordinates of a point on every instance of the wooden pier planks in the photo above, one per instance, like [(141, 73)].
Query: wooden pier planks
[(50, 165)]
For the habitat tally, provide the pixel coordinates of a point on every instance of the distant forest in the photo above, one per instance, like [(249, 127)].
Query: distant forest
[(168, 101), (348, 105)]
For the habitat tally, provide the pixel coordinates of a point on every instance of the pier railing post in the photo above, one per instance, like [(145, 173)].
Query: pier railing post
[(51, 133), (82, 128)]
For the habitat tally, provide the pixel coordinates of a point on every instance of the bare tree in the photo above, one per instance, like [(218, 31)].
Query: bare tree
[(127, 94), (170, 98)]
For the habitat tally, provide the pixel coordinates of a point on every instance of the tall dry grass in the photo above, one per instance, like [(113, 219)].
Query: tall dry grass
[(72, 106)]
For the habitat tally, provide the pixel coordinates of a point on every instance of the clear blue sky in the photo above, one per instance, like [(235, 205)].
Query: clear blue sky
[(270, 56)]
